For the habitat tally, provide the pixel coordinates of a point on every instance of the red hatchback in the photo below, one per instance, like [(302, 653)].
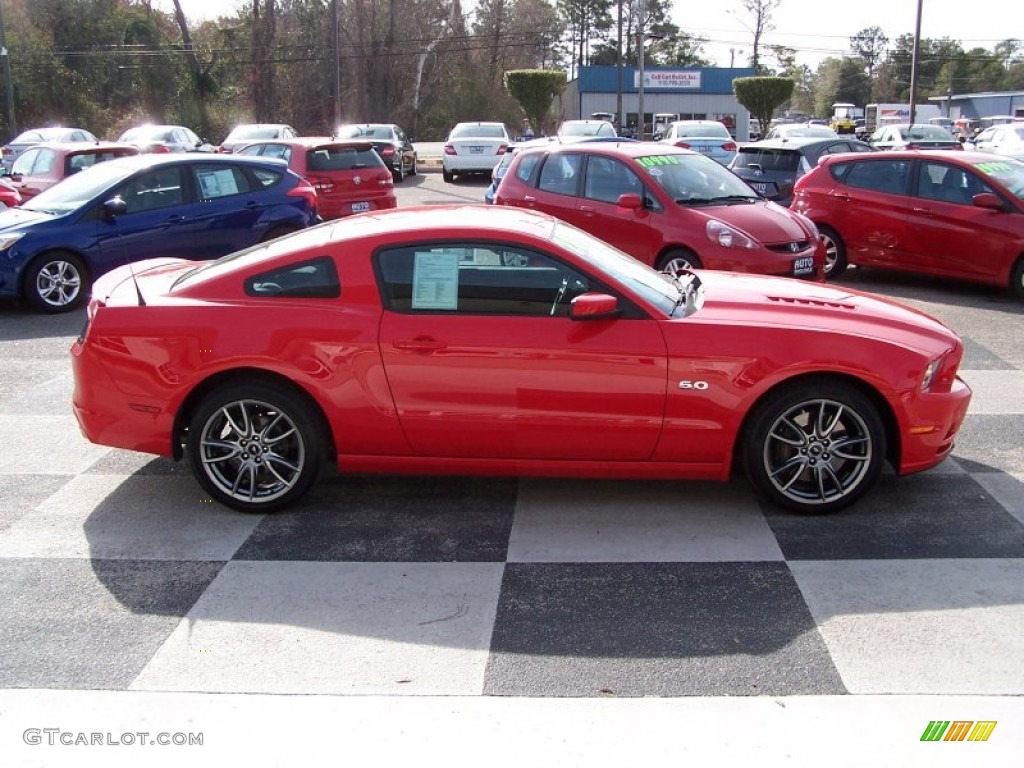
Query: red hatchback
[(667, 207), (349, 176), (40, 167), (951, 214)]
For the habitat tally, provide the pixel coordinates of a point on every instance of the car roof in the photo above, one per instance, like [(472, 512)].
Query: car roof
[(315, 141), (142, 161), (966, 157), (84, 147), (613, 146), (798, 142)]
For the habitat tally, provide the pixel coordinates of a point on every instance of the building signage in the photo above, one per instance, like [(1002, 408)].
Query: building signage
[(668, 79)]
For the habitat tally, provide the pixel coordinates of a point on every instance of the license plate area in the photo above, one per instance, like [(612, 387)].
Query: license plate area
[(803, 266), (360, 207), (763, 188), (475, 150)]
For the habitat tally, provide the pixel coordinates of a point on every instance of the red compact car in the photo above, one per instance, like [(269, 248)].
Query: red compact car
[(667, 207), (349, 176), (952, 214), (489, 340), (42, 166), (9, 195)]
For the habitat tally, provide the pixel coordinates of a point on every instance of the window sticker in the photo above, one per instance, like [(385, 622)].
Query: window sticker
[(993, 167), (218, 183), (652, 161), (435, 280)]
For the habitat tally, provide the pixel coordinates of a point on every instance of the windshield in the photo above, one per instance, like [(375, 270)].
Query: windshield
[(655, 287), (1005, 170), (75, 191), (693, 178), (145, 133), (253, 132), (580, 129)]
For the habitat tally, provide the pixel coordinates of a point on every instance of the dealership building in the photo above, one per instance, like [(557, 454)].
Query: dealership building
[(691, 93)]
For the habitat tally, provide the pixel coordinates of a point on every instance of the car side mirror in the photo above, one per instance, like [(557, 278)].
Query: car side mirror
[(114, 207), (988, 200), (15, 177), (593, 306), (630, 200)]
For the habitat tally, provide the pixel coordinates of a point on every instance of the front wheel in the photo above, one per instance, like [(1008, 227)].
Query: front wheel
[(1017, 280), (814, 448), (255, 447), (679, 259), (56, 282), (835, 252)]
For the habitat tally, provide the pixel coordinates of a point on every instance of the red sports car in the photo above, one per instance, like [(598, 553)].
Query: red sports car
[(951, 214), (483, 340)]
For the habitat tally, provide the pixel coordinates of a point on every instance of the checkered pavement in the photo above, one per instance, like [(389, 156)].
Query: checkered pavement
[(116, 573)]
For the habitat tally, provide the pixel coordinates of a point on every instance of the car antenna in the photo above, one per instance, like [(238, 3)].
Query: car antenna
[(135, 282)]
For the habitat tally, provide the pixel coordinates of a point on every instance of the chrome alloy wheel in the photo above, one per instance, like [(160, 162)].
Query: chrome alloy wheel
[(817, 451), (58, 283), (252, 451)]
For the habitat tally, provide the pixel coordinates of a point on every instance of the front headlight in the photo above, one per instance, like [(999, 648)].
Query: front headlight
[(726, 236), (6, 241), (812, 228), (929, 373)]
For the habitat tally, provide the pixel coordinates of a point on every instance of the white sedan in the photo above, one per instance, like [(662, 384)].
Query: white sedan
[(473, 148)]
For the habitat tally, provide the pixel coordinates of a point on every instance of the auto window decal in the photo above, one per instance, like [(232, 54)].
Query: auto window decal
[(435, 280), (652, 161)]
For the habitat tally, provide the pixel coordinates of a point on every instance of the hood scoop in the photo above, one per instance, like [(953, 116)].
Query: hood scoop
[(806, 302)]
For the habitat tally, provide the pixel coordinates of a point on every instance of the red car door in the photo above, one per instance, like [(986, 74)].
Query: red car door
[(950, 235), (483, 361), (870, 209)]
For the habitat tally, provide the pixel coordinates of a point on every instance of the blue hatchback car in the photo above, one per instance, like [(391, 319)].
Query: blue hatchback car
[(188, 206)]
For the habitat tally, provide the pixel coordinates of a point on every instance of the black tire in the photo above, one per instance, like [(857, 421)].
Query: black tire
[(255, 447), (1017, 279), (447, 175), (814, 447), (399, 172), (835, 253), (56, 282), (679, 258), (276, 232), (415, 165)]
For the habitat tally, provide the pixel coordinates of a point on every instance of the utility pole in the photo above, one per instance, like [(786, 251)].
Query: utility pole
[(640, 124), (913, 65), (5, 64), (618, 77), (336, 43)]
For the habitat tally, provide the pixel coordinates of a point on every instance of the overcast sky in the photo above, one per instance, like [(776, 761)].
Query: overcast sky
[(816, 28)]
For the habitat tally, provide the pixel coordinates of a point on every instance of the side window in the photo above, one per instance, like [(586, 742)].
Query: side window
[(607, 179), (314, 279), (216, 181), (266, 178), (152, 190), (277, 151), (560, 173), (477, 279), (23, 165), (950, 184), (45, 162), (887, 176), (527, 166)]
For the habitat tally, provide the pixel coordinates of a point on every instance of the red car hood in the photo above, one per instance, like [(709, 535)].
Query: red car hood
[(150, 278), (732, 298), (765, 222)]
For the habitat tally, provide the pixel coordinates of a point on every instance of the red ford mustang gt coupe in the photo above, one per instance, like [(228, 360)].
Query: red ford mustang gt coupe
[(505, 342)]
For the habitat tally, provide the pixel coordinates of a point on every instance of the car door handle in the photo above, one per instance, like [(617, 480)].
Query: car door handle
[(252, 204), (587, 209), (529, 199), (841, 196), (176, 219), (419, 345), (926, 211)]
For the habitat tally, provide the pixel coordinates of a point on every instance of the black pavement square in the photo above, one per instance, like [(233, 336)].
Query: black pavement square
[(389, 518), (655, 629), (925, 515), (90, 624)]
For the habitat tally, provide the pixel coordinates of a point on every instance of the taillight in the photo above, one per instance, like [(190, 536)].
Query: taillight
[(958, 146), (160, 149), (385, 179), (224, 150), (304, 189), (387, 152), (449, 149), (503, 149), (321, 184), (730, 146), (8, 151), (682, 145), (912, 146)]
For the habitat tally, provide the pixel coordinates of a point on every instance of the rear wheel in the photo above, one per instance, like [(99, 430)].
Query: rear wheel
[(814, 447), (56, 282), (835, 252), (255, 447), (678, 259), (447, 175), (415, 169), (399, 172), (1017, 281)]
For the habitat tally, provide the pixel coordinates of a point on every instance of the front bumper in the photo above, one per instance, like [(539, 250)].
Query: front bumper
[(933, 421)]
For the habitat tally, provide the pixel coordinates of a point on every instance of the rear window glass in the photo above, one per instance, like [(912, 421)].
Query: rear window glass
[(480, 131), (769, 159), (699, 131), (342, 159)]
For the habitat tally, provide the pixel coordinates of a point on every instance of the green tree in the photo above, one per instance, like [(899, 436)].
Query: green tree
[(869, 44), (535, 89), (762, 96)]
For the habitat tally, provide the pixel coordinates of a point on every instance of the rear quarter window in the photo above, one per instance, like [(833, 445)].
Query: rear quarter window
[(524, 172), (266, 178), (313, 279)]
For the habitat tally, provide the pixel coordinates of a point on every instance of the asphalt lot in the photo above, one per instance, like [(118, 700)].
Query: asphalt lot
[(589, 620)]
